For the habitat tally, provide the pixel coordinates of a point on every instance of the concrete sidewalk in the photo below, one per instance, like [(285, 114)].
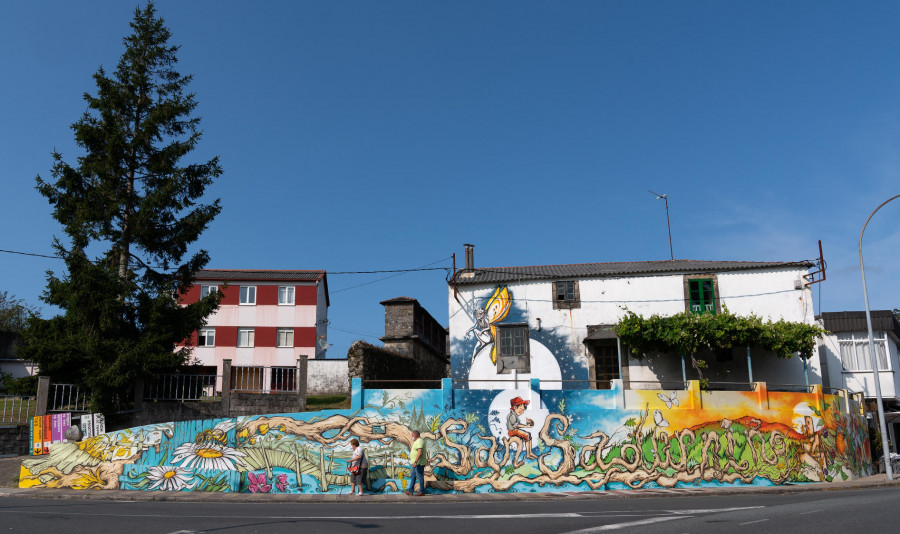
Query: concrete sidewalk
[(9, 475)]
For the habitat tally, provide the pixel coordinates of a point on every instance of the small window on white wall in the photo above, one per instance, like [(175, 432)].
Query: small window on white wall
[(285, 337), (245, 337), (286, 295), (248, 295)]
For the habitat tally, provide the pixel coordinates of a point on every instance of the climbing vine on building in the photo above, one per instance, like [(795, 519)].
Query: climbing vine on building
[(688, 334)]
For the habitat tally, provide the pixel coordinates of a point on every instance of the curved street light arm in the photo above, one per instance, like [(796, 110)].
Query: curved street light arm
[(875, 370)]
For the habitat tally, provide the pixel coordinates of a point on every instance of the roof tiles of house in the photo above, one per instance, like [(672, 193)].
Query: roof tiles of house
[(493, 275), (235, 275), (855, 321)]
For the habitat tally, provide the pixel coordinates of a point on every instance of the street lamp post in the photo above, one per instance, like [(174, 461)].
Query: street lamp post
[(883, 427)]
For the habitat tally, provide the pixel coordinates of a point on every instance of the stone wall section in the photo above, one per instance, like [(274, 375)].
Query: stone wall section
[(382, 368), (14, 440)]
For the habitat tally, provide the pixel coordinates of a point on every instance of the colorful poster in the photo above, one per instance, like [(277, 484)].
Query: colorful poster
[(87, 425), (55, 434), (37, 439), (99, 424), (46, 433), (61, 423), (65, 423)]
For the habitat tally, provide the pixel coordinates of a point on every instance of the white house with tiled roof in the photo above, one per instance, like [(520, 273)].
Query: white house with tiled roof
[(554, 322), (266, 319)]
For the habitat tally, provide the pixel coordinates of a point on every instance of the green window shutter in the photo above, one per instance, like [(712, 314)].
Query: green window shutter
[(702, 296)]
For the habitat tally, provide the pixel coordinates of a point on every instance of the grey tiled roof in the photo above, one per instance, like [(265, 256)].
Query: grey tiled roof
[(855, 321), (259, 274), (493, 275)]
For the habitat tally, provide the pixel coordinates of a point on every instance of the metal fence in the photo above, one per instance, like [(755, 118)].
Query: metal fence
[(184, 387), (68, 398), (16, 409), (264, 379)]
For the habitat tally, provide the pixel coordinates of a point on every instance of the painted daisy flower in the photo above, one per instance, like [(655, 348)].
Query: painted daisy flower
[(169, 478), (209, 455)]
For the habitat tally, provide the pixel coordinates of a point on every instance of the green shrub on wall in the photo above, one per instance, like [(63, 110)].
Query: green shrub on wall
[(688, 334)]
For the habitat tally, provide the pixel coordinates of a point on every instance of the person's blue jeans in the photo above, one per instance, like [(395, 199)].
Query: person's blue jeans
[(417, 472)]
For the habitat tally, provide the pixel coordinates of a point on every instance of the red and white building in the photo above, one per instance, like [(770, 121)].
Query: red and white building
[(266, 319)]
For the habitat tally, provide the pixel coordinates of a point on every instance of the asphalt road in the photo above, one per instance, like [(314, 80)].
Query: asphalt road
[(852, 511)]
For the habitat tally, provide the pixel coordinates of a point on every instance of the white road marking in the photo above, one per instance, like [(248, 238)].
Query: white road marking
[(629, 524), (675, 514), (712, 510), (757, 521), (557, 515), (810, 512)]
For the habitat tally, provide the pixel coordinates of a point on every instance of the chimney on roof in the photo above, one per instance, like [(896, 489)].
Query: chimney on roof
[(470, 257)]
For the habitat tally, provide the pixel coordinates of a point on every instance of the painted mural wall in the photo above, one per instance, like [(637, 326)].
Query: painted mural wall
[(525, 440)]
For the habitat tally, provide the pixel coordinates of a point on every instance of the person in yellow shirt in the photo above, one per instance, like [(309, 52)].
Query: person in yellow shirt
[(418, 459)]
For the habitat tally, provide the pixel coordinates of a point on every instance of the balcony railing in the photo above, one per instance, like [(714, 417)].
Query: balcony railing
[(68, 398), (181, 387), (264, 379)]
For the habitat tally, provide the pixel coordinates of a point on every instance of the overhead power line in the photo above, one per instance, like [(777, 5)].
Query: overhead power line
[(30, 254)]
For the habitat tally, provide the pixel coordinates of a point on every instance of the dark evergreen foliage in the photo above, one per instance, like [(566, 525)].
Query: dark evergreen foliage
[(131, 208)]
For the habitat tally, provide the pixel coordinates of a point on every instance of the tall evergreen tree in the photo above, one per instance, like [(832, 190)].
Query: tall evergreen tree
[(131, 209)]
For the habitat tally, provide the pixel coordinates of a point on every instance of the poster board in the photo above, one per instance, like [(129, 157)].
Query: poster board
[(45, 430)]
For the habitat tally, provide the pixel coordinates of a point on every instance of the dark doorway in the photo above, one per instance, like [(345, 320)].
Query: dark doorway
[(606, 362)]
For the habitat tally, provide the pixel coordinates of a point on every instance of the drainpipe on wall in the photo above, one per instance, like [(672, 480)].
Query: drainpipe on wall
[(749, 367), (619, 354)]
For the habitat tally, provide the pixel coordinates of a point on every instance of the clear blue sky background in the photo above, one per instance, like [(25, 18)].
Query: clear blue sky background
[(361, 135)]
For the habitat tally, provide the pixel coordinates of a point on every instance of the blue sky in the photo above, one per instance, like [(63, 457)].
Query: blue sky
[(362, 136)]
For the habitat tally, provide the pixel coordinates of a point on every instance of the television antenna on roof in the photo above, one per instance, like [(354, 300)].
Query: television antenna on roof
[(668, 225)]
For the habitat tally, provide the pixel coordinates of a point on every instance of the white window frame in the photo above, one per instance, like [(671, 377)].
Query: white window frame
[(288, 293), (853, 349), (205, 290), (282, 335), (247, 296), (206, 337), (246, 337)]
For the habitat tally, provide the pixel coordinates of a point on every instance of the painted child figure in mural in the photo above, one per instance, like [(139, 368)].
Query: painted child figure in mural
[(514, 425)]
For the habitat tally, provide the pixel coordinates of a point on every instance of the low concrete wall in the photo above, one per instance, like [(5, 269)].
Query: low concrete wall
[(382, 368), (328, 377), (165, 411), (253, 403)]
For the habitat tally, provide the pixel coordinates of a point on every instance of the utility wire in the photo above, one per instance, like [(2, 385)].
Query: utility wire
[(329, 272), (387, 277), (30, 254), (391, 270)]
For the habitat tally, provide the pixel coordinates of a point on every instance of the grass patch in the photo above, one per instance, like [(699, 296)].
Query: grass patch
[(327, 402)]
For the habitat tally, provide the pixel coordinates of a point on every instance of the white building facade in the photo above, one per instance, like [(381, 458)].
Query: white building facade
[(554, 322), (847, 359)]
